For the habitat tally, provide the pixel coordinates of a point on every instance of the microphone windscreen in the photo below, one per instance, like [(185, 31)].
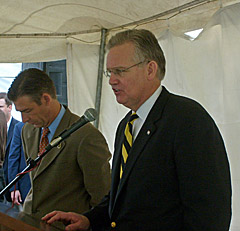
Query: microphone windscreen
[(90, 114)]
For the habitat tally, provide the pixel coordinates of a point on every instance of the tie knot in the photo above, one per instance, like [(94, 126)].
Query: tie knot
[(45, 131), (133, 117)]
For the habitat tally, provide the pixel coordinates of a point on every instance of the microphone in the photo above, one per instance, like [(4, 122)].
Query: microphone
[(88, 116)]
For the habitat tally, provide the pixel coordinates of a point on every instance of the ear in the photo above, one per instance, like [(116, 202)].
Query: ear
[(46, 98), (152, 68), (10, 107)]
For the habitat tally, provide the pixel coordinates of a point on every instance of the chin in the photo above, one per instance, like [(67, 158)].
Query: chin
[(120, 101), (37, 125)]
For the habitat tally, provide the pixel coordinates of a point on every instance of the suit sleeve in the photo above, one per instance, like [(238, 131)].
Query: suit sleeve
[(203, 173), (94, 159), (14, 155), (98, 216)]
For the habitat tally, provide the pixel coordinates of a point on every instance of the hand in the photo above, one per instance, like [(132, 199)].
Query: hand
[(17, 197), (73, 221)]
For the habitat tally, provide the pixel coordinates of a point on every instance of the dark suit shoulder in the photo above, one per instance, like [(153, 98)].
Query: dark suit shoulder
[(181, 106), (184, 101), (14, 121), (186, 118), (11, 127), (19, 126)]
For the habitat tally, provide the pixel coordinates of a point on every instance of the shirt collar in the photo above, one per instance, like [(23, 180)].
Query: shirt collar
[(145, 108), (53, 126), (9, 122)]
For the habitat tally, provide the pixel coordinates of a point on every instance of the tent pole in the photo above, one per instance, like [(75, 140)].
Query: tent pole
[(100, 75)]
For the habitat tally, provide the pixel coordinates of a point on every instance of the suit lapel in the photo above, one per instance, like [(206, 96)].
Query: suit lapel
[(136, 150), (147, 130), (10, 131), (116, 170), (53, 153)]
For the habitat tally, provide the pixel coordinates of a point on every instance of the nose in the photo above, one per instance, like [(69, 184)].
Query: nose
[(113, 79)]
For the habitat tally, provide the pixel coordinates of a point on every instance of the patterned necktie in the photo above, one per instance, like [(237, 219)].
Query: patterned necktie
[(44, 140), (127, 142)]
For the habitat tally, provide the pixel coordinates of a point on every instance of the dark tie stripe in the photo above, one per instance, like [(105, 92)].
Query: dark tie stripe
[(126, 145), (127, 142)]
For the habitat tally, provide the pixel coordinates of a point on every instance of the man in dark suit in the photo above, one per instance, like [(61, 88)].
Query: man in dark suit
[(76, 173), (6, 107), (16, 163), (3, 138), (176, 176)]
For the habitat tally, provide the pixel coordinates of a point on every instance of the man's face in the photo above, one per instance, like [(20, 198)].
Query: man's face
[(6, 109), (37, 115), (128, 88)]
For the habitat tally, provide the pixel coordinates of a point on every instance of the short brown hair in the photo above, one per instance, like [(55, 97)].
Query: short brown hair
[(32, 82), (3, 95)]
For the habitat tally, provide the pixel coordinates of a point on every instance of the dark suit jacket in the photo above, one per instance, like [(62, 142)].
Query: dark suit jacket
[(17, 162), (176, 177), (5, 163)]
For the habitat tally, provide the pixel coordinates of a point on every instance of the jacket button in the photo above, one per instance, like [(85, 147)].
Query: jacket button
[(113, 224)]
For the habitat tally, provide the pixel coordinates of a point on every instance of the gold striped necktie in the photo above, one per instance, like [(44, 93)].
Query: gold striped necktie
[(127, 142)]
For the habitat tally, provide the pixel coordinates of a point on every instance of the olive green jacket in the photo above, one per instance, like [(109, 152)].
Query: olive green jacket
[(74, 176)]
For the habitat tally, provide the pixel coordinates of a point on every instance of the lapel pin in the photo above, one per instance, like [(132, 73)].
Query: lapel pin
[(59, 146)]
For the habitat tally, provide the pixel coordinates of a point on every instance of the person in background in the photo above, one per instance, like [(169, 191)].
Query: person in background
[(6, 107), (3, 139), (170, 170), (16, 163), (76, 173)]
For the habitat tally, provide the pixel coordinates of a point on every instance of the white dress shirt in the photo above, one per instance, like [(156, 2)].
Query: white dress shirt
[(144, 110)]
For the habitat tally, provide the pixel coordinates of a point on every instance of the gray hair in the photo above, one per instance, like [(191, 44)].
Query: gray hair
[(146, 47)]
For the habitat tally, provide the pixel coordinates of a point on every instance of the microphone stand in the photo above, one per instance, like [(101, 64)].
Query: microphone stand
[(31, 164)]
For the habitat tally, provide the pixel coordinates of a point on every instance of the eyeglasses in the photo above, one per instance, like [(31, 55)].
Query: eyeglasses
[(118, 71)]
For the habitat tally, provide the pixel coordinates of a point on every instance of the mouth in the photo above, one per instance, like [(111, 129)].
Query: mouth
[(115, 90)]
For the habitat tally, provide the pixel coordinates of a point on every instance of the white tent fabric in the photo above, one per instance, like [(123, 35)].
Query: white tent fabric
[(206, 69), (33, 30)]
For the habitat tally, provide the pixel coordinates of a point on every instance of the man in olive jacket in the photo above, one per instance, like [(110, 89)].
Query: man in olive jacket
[(74, 175)]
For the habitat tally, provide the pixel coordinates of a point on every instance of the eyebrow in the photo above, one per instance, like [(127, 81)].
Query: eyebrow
[(119, 67), (24, 110)]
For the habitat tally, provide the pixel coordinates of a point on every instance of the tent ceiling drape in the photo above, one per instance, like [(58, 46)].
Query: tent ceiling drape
[(32, 31)]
